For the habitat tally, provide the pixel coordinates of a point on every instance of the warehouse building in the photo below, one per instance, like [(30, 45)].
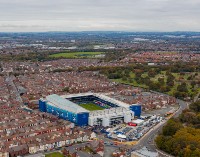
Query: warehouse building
[(105, 110)]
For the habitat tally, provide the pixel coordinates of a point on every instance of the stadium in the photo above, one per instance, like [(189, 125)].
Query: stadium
[(89, 109)]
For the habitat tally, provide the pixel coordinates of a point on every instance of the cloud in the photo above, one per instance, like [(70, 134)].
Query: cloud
[(83, 15)]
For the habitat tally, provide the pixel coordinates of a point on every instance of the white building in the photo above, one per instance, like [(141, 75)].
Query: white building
[(110, 116), (115, 115)]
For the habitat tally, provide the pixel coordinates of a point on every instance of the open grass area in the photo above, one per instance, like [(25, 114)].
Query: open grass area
[(91, 107), (133, 83), (160, 75), (179, 78), (166, 52), (77, 55), (55, 154)]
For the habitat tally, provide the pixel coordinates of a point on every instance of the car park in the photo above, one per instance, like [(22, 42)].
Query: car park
[(133, 133)]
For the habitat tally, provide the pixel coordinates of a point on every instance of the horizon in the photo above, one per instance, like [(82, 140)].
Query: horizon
[(102, 31), (104, 15)]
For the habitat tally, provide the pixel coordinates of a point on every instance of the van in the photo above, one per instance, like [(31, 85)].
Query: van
[(132, 124)]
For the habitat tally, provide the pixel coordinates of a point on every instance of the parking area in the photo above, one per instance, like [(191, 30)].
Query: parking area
[(128, 132)]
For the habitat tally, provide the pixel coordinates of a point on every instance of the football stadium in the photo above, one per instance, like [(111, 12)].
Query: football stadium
[(89, 109)]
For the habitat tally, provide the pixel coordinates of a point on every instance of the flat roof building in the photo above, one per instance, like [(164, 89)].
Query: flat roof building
[(74, 107)]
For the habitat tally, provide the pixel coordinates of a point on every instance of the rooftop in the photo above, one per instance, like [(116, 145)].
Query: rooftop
[(145, 153), (60, 102), (101, 96)]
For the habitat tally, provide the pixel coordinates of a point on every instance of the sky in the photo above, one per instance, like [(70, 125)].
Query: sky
[(99, 15)]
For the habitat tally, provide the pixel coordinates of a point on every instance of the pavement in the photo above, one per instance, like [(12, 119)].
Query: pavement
[(9, 80), (108, 150), (196, 97), (148, 139), (183, 105)]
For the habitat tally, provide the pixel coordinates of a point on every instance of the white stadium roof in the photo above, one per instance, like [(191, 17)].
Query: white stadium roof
[(77, 95), (114, 101), (60, 102), (101, 96)]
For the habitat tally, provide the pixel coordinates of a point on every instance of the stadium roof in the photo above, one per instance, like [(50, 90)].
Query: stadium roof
[(101, 96), (114, 101), (57, 101), (77, 95)]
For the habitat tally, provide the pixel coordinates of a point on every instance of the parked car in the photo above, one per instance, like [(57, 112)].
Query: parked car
[(132, 124)]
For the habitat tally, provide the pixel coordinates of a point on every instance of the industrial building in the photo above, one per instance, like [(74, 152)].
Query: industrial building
[(73, 108)]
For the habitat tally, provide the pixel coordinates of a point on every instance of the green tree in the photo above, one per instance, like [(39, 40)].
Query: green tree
[(172, 127), (182, 87), (65, 89), (161, 81), (195, 106)]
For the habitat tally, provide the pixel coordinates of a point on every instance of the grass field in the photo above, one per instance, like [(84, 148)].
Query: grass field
[(55, 154), (178, 79), (77, 55), (134, 83), (91, 107)]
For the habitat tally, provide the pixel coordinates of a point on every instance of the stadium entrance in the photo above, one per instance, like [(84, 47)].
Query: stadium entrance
[(115, 121)]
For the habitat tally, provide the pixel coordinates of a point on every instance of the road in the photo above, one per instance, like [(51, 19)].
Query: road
[(10, 82), (183, 105), (148, 139), (196, 97)]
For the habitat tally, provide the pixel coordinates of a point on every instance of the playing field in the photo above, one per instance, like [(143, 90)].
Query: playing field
[(77, 55), (55, 154), (91, 107)]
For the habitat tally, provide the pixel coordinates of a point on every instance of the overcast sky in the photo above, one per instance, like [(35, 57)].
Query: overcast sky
[(101, 15)]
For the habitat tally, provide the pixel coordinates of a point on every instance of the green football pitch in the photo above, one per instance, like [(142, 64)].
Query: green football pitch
[(76, 54), (55, 154), (91, 107)]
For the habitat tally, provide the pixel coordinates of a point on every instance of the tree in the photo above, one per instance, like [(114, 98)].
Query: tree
[(188, 117), (196, 153), (154, 86), (187, 151), (182, 87), (114, 76), (195, 106), (138, 75), (65, 89), (124, 78), (170, 78), (172, 126), (170, 83), (160, 141), (178, 94), (130, 80), (161, 81), (163, 89), (146, 81), (193, 83), (151, 73)]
